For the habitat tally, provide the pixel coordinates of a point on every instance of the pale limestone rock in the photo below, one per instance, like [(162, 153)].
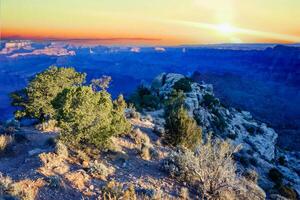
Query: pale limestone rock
[(254, 136)]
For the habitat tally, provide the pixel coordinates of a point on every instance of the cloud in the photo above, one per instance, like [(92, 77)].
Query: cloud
[(223, 10), (238, 31)]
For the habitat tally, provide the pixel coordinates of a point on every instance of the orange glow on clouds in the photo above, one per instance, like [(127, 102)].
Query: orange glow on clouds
[(168, 22)]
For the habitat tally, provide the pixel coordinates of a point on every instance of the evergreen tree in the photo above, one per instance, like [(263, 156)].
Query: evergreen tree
[(181, 129), (34, 101), (143, 98), (183, 84), (120, 123), (89, 117)]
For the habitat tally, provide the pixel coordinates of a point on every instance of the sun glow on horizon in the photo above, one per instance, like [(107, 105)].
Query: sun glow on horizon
[(169, 22), (225, 28)]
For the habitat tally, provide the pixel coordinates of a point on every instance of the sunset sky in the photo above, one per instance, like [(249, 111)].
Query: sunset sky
[(168, 22)]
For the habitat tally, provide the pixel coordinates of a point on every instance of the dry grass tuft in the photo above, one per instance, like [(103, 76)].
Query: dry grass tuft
[(184, 193), (100, 171), (61, 150), (115, 190), (52, 164), (5, 141), (5, 184), (145, 152), (211, 170), (24, 190), (140, 137), (80, 180), (27, 189), (49, 126)]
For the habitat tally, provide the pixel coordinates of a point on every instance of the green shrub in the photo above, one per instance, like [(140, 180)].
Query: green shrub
[(150, 101), (281, 160), (253, 161), (143, 98), (275, 175), (89, 117), (34, 101), (219, 121), (232, 136), (175, 100), (181, 129), (119, 122), (50, 142), (287, 191), (209, 101), (244, 160), (183, 84), (251, 130), (249, 152)]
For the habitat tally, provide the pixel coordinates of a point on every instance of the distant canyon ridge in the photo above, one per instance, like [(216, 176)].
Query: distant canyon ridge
[(261, 78)]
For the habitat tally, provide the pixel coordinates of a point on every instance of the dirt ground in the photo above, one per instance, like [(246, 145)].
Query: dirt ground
[(22, 162)]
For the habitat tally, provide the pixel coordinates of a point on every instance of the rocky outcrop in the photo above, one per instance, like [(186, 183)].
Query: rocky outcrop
[(258, 140), (164, 82), (49, 51), (212, 116), (12, 46)]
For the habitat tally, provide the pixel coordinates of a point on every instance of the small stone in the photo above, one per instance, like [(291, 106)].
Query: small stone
[(159, 130), (91, 187), (85, 164), (35, 151)]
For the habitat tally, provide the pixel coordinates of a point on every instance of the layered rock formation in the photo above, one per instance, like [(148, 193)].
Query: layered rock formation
[(12, 46), (259, 150)]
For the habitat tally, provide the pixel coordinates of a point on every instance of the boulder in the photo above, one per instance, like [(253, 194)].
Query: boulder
[(163, 83), (35, 151), (258, 140)]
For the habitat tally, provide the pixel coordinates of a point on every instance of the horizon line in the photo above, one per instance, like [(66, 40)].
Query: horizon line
[(54, 39), (76, 39)]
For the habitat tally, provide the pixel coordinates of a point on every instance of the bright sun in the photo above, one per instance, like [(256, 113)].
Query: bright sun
[(225, 28)]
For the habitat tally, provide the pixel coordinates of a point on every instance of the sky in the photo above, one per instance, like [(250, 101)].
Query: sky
[(158, 22)]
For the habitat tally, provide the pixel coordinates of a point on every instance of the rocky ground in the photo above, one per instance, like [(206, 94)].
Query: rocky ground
[(45, 171), (34, 159), (259, 152)]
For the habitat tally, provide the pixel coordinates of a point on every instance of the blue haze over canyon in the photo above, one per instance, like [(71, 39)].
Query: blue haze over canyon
[(261, 78)]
